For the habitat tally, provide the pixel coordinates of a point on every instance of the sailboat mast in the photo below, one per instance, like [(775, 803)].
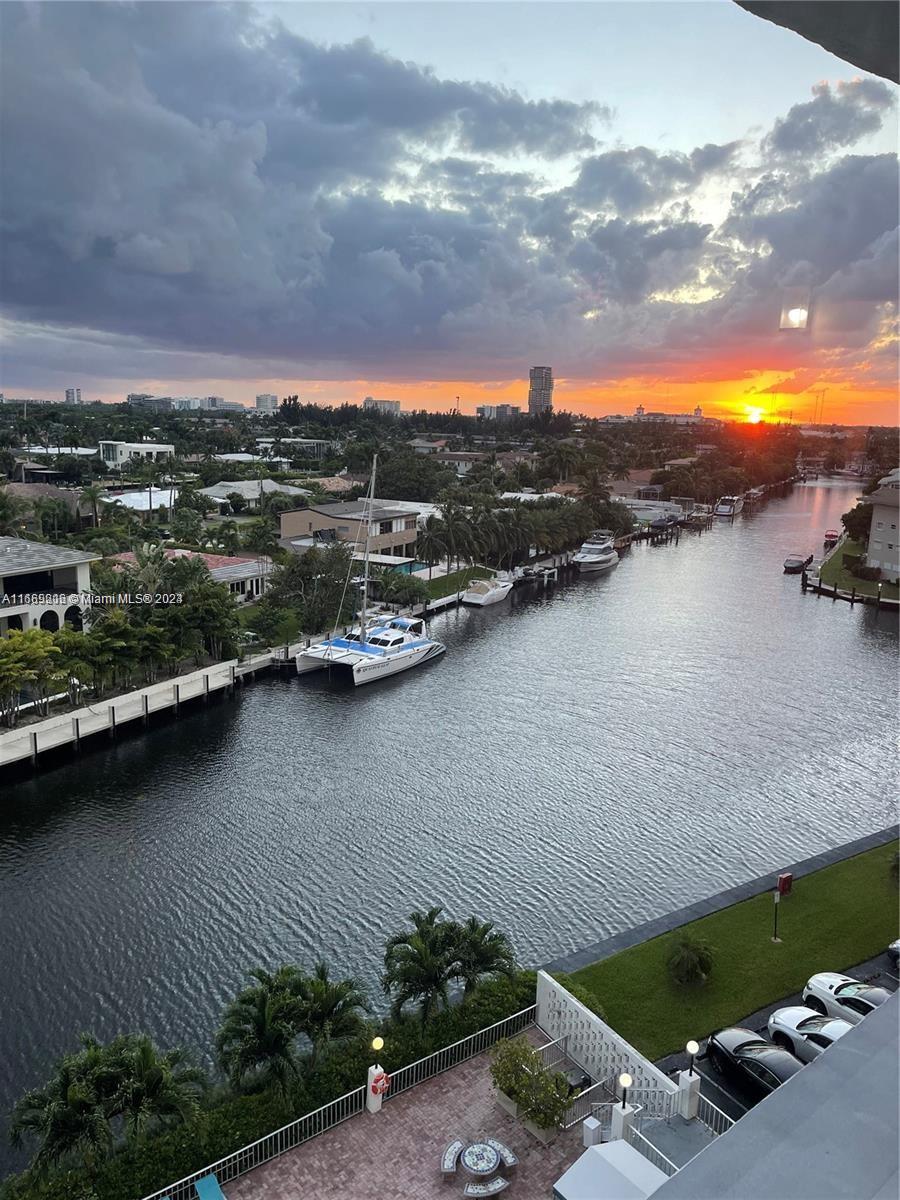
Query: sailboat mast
[(365, 588)]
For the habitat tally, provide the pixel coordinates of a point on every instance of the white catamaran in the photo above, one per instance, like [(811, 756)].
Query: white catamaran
[(378, 646)]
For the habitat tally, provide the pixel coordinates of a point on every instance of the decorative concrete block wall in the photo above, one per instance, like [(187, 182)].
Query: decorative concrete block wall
[(592, 1043)]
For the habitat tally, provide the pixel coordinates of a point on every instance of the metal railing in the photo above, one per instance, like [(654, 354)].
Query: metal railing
[(655, 1103), (451, 1056), (554, 1052), (713, 1118), (649, 1151), (584, 1104), (270, 1146), (346, 1106)]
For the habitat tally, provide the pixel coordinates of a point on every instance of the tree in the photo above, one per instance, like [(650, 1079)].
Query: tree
[(432, 543), (858, 521), (93, 495), (25, 658), (237, 502), (187, 525), (256, 1040), (419, 964), (331, 1010), (481, 950), (13, 512), (261, 536), (67, 1115), (690, 960), (153, 1087)]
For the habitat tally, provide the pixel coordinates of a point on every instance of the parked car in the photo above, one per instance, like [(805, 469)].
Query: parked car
[(804, 1032), (751, 1058), (894, 952), (842, 996)]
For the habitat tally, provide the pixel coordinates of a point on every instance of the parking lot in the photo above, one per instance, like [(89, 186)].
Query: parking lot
[(729, 1094)]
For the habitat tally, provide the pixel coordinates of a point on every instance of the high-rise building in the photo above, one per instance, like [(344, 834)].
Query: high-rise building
[(497, 412), (540, 390), (73, 395), (389, 408), (266, 402)]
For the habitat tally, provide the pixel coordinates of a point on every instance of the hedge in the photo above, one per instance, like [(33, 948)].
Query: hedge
[(137, 1170)]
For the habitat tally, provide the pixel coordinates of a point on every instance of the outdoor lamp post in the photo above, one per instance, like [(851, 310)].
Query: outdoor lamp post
[(693, 1050), (625, 1082), (377, 1044)]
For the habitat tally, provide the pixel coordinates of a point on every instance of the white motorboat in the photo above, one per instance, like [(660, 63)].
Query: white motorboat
[(729, 506), (482, 592), (377, 647), (597, 554)]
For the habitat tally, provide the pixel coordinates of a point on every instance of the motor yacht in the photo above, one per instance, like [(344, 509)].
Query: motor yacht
[(482, 592), (729, 506), (597, 554)]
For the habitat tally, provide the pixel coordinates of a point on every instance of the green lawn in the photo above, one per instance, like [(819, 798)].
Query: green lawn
[(290, 629), (835, 917), (834, 572), (455, 582)]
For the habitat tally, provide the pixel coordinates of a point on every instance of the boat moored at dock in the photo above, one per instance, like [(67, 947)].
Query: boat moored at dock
[(729, 506), (598, 554), (796, 562), (384, 646), (482, 592)]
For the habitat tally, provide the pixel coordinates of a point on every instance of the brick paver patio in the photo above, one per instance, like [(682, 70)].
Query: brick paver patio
[(396, 1154)]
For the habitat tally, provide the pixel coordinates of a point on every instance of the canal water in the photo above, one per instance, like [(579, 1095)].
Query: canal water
[(580, 760)]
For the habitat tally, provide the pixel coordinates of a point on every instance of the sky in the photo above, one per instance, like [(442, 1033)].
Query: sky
[(419, 201)]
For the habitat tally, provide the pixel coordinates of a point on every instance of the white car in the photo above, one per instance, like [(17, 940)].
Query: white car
[(805, 1032), (840, 996)]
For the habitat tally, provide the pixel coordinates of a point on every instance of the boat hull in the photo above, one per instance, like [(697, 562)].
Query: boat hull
[(492, 597), (597, 568), (368, 668)]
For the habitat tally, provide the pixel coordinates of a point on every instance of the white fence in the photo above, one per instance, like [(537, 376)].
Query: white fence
[(649, 1151), (592, 1044), (713, 1118), (270, 1146), (349, 1105), (452, 1056)]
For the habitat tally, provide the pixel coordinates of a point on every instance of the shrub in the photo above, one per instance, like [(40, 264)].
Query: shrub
[(518, 1071), (863, 572), (690, 960), (232, 1121)]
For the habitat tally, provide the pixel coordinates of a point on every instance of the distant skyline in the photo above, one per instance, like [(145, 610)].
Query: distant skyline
[(422, 201)]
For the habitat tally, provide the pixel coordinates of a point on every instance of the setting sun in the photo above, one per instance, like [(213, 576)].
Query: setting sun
[(754, 415)]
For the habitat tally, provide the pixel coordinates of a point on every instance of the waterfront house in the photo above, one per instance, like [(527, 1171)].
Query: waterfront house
[(41, 585), (392, 528), (246, 578), (250, 490), (882, 548), (119, 454)]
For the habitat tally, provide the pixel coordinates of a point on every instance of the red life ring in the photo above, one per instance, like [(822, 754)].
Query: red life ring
[(381, 1083)]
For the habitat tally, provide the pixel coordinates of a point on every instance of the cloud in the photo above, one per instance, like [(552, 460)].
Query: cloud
[(630, 181), (189, 183), (832, 119)]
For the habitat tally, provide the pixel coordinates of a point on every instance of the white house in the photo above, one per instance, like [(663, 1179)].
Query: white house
[(59, 576), (246, 578), (249, 490), (882, 548), (117, 454)]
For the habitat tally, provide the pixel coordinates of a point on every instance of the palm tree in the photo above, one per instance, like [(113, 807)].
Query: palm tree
[(259, 1030), (418, 965), (432, 543), (593, 488), (156, 1087), (67, 1114), (332, 1009), (12, 514), (92, 494), (481, 950)]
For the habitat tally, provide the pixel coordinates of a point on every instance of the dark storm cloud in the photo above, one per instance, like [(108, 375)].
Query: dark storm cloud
[(831, 119), (630, 181), (625, 260), (192, 184)]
